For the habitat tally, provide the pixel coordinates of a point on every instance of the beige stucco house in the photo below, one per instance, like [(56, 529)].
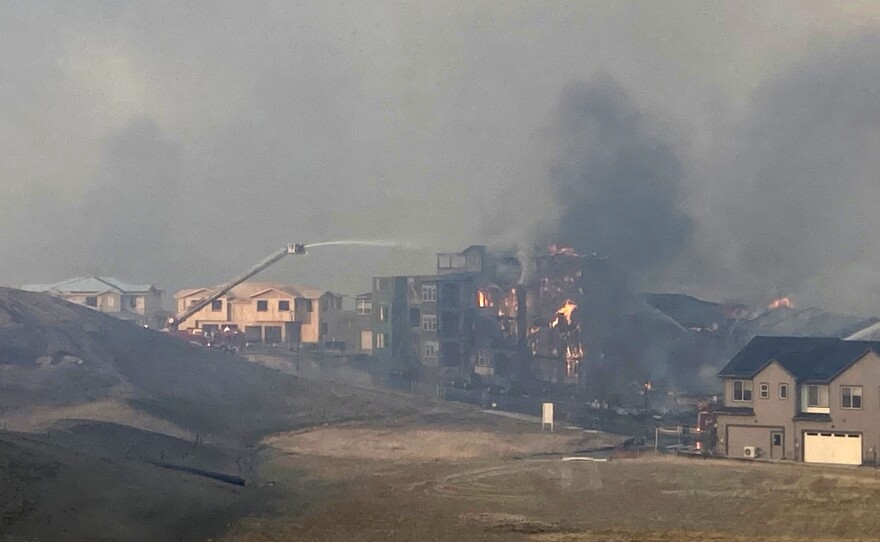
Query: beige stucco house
[(138, 303), (805, 399), (269, 313)]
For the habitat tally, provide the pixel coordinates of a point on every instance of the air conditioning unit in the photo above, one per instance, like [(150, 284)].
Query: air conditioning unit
[(750, 451)]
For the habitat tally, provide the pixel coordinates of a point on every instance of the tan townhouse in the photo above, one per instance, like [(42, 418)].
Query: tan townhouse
[(137, 303), (802, 398), (268, 313)]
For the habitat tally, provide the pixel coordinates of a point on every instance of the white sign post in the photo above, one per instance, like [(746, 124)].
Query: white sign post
[(547, 417)]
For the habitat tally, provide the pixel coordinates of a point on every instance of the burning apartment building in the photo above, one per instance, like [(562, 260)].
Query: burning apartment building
[(472, 317), (561, 318)]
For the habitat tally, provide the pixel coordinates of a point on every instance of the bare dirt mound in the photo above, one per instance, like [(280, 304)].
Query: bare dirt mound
[(55, 354)]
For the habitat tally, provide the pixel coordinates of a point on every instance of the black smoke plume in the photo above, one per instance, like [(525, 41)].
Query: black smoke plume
[(619, 187)]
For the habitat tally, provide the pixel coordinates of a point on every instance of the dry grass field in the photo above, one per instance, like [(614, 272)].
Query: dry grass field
[(501, 494)]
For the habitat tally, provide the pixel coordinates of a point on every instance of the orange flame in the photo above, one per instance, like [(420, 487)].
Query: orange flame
[(780, 303), (565, 311), (483, 299)]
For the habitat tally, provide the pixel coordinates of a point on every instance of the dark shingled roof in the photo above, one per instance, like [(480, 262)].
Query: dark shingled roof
[(686, 310), (811, 359)]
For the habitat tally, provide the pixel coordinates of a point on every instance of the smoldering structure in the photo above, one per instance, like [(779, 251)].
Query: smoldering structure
[(575, 320)]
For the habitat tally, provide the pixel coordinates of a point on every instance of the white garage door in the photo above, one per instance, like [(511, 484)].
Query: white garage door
[(839, 448)]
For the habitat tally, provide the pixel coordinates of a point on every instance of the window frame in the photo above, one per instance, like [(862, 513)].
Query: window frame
[(383, 313), (364, 307), (429, 322), (217, 305), (783, 390), (431, 349), (764, 390), (816, 398), (284, 309), (860, 395), (743, 390), (429, 293), (262, 305)]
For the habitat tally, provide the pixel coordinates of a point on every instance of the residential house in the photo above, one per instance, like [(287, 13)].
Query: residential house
[(802, 398), (137, 303), (268, 313)]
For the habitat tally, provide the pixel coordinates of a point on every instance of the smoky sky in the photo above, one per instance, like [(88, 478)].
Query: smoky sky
[(180, 143), (619, 188), (795, 205)]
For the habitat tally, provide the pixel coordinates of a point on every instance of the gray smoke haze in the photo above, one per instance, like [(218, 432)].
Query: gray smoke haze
[(619, 188), (126, 218), (181, 143), (795, 207)]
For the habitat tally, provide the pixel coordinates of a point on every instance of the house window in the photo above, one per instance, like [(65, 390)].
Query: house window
[(364, 306), (783, 391), (851, 397), (381, 340), (284, 305), (309, 306), (91, 301), (110, 301), (429, 292), (217, 305), (262, 305), (764, 390), (431, 349), (815, 396), (133, 302), (325, 304), (429, 322), (742, 390), (415, 316), (324, 329), (383, 313)]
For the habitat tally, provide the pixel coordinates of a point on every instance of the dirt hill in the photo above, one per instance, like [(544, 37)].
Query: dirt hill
[(61, 360)]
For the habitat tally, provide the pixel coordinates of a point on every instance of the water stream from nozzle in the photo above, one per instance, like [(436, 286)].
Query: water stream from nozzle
[(356, 242)]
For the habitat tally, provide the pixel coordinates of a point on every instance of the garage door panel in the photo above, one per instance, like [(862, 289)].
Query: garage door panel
[(836, 448)]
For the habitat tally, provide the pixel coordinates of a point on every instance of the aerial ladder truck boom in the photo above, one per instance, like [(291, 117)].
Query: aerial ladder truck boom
[(292, 248)]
